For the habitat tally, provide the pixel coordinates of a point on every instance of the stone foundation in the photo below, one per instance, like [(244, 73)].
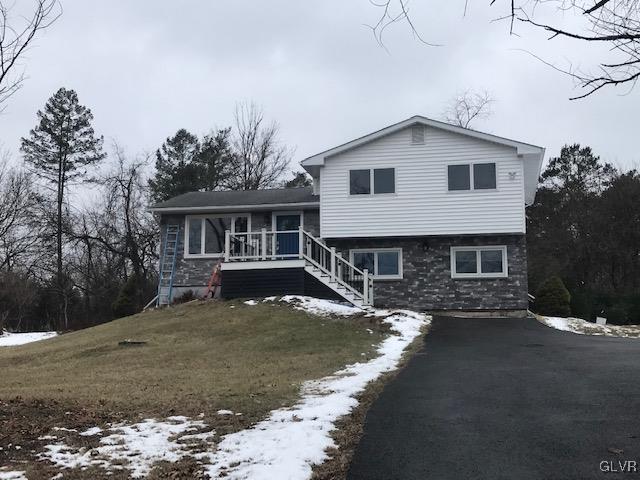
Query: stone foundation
[(427, 284)]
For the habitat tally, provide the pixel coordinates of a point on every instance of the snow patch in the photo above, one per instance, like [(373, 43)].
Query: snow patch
[(251, 302), (135, 447), (91, 432), (224, 412), (12, 339), (291, 440), (317, 306), (583, 327), (15, 475)]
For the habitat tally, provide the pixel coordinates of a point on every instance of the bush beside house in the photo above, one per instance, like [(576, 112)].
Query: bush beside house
[(553, 298)]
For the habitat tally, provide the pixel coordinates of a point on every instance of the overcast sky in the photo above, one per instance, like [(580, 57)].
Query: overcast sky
[(149, 68)]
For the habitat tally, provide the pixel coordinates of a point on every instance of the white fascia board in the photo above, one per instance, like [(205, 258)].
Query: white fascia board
[(234, 208), (262, 264)]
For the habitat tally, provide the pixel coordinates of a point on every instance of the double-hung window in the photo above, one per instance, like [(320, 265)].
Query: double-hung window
[(471, 176), (205, 233), (479, 262), (383, 263), (376, 180)]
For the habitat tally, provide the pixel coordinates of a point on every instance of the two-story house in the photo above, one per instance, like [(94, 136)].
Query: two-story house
[(421, 215)]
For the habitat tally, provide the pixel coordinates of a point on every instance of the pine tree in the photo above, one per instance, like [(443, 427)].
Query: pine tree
[(184, 164), (175, 172), (58, 149)]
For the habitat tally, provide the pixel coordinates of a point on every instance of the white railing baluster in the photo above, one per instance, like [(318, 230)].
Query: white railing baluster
[(333, 264), (300, 241), (365, 285)]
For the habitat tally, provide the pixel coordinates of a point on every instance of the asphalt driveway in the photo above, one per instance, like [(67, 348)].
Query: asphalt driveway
[(507, 399)]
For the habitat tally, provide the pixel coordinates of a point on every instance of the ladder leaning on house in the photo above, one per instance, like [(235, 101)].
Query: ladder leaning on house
[(168, 265)]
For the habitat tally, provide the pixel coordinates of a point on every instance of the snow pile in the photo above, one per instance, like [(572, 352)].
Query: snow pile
[(11, 339), (317, 306), (133, 446), (583, 327), (291, 440), (15, 475)]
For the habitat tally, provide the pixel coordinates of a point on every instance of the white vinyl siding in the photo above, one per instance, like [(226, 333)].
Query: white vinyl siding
[(422, 203)]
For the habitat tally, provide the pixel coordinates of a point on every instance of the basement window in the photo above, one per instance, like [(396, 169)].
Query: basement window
[(479, 262), (382, 263)]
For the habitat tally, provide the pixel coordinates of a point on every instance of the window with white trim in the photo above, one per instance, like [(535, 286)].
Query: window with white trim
[(471, 176), (381, 263), (479, 262), (204, 234), (376, 180)]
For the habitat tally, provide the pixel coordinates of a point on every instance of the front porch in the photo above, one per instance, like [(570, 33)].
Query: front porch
[(290, 256)]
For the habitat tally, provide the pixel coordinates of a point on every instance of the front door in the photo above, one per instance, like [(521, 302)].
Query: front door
[(287, 240)]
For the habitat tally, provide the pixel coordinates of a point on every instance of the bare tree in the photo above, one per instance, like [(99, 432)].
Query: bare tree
[(15, 38), (467, 106), (259, 158), (615, 23), (19, 232)]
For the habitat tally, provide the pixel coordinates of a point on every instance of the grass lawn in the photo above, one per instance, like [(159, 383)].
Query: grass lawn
[(199, 358)]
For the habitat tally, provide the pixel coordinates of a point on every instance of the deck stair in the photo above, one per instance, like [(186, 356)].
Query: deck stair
[(322, 262), (168, 265)]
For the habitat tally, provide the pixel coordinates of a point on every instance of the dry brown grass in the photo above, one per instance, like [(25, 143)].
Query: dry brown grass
[(199, 357)]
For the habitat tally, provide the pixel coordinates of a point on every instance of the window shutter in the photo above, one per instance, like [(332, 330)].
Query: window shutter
[(417, 134)]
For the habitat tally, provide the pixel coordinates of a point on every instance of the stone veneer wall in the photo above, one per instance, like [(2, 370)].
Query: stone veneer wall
[(194, 273), (427, 282)]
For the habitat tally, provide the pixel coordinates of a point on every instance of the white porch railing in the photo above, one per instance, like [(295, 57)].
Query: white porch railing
[(288, 244)]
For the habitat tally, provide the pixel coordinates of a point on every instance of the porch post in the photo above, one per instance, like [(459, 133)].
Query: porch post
[(333, 265), (365, 291), (300, 241), (264, 244), (227, 245)]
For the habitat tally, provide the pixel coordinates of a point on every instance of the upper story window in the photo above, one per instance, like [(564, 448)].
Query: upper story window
[(479, 262), (377, 180), (476, 176), (205, 233)]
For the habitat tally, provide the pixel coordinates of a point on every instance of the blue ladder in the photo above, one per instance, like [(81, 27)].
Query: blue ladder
[(168, 265)]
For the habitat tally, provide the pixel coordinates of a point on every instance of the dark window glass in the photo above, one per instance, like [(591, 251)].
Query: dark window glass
[(364, 260), (491, 261), (195, 236), (384, 180), (466, 262), (359, 182), (484, 176), (388, 263), (459, 177), (214, 228), (242, 224)]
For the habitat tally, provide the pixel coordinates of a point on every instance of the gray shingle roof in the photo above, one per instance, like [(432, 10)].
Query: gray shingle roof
[(230, 198)]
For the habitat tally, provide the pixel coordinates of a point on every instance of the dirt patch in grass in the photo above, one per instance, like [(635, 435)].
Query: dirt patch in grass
[(198, 358), (350, 427)]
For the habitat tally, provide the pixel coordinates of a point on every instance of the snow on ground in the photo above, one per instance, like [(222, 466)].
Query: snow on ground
[(135, 447), (11, 339), (285, 445), (291, 440), (317, 306), (583, 327), (12, 475)]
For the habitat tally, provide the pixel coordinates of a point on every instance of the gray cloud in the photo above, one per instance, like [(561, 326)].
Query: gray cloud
[(149, 68)]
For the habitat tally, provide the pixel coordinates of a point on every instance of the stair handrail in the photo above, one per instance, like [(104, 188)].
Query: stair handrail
[(366, 295)]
